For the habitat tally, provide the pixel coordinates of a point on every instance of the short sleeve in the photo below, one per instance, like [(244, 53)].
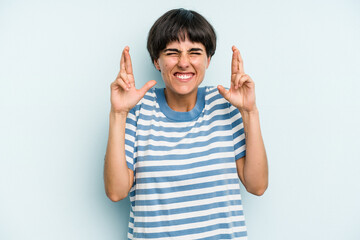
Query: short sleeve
[(130, 136), (238, 132)]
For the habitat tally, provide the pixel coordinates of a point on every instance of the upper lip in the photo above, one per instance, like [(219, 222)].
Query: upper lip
[(183, 73)]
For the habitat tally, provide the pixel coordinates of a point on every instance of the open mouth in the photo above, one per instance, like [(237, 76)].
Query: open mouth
[(184, 76)]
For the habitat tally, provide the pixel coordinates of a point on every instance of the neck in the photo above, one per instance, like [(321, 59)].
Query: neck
[(181, 103)]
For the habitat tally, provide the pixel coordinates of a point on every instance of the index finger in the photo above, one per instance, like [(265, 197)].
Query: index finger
[(234, 62), (237, 62), (128, 65), (241, 63)]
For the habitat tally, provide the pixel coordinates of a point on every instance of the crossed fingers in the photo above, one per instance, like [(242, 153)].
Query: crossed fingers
[(125, 78), (238, 76)]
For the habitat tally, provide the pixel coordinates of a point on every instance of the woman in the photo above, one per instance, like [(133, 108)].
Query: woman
[(179, 152)]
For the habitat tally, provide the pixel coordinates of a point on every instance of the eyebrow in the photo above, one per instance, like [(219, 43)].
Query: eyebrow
[(177, 50)]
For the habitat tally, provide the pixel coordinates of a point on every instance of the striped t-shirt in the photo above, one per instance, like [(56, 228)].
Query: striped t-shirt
[(186, 184)]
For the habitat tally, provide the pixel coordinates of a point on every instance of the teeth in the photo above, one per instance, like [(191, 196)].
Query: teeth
[(183, 76)]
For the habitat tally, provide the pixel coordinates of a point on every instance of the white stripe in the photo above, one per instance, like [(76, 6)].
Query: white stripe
[(180, 152), (240, 150), (208, 234), (130, 127), (128, 148), (211, 156), (202, 128), (161, 185), (188, 226), (210, 95), (200, 213), (158, 122), (131, 116), (239, 138), (185, 171), (216, 102), (148, 102), (208, 137), (185, 194)]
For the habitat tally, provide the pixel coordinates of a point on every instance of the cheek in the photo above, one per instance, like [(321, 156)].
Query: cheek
[(200, 64)]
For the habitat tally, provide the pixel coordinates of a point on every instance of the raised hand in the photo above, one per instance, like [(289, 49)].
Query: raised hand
[(124, 95), (242, 89)]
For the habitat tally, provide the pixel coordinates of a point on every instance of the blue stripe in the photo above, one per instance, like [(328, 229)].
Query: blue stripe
[(189, 135), (186, 187), (239, 144), (189, 231), (187, 198), (214, 98), (129, 154), (234, 112), (150, 97), (190, 220), (129, 143), (187, 209), (209, 91), (238, 133), (168, 130), (131, 121), (221, 106), (240, 155), (186, 176), (220, 139), (131, 230), (226, 236), (128, 133), (150, 108), (185, 166)]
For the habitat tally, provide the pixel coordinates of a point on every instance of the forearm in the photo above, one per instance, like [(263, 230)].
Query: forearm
[(116, 172), (255, 165)]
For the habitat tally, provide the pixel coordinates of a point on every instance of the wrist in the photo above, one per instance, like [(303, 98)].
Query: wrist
[(252, 112), (119, 114)]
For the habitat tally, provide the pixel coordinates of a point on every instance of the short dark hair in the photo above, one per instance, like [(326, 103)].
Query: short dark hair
[(177, 25)]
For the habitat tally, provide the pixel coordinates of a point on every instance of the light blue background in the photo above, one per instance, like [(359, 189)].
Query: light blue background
[(58, 58)]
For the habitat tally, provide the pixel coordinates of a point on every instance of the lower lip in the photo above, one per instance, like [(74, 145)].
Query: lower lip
[(184, 79)]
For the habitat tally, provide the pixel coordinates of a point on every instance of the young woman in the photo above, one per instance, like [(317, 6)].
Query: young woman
[(179, 152)]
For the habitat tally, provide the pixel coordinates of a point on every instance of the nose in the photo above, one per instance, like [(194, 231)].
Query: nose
[(183, 61)]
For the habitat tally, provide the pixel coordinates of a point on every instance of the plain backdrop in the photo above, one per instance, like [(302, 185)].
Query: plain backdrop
[(58, 58)]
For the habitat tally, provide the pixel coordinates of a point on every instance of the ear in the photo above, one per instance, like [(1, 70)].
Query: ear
[(208, 62), (156, 64)]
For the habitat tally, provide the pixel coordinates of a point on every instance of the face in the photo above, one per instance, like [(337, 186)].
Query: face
[(183, 65)]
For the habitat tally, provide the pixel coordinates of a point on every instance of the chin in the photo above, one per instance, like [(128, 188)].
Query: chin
[(184, 90)]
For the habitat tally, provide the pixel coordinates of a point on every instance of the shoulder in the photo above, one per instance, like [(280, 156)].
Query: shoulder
[(214, 101), (212, 96), (147, 102)]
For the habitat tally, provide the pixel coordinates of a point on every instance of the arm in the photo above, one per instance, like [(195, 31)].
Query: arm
[(118, 178), (253, 168)]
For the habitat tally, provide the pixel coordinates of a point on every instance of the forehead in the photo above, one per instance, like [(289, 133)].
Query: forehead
[(186, 44)]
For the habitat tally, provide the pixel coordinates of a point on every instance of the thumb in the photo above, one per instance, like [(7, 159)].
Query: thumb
[(225, 93), (147, 86)]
